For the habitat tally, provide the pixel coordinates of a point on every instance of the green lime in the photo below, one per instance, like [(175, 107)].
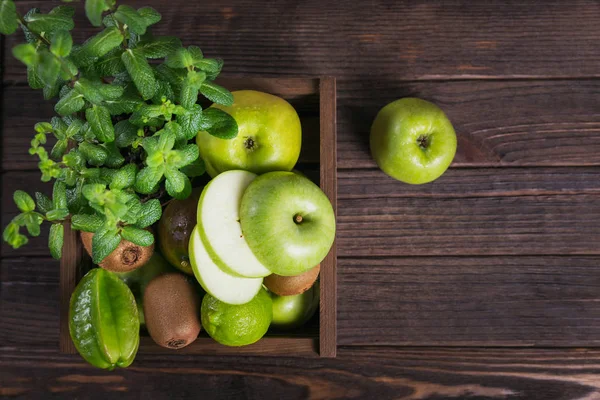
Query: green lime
[(237, 325)]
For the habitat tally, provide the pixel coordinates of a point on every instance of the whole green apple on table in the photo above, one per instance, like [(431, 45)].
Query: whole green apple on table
[(239, 255)]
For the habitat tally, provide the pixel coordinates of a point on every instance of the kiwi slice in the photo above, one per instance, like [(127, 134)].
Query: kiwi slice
[(292, 285), (172, 310)]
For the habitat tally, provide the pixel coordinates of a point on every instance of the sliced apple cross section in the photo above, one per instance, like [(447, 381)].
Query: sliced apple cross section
[(219, 225), (225, 287)]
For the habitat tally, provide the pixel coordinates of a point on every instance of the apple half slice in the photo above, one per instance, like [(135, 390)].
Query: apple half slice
[(227, 288), (219, 225)]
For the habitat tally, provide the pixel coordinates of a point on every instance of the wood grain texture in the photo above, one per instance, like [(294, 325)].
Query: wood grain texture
[(506, 123), (470, 301), (328, 182), (380, 39), (366, 373)]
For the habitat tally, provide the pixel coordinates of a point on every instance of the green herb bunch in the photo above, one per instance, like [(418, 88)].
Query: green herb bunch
[(127, 117)]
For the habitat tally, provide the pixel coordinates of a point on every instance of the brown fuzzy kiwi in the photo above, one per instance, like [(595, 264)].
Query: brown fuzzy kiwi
[(126, 257), (172, 309), (292, 285)]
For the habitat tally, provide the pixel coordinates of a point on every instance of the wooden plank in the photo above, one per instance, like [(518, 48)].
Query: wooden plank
[(328, 181), (506, 123), (470, 301), (498, 123), (407, 40), (522, 213), (381, 373)]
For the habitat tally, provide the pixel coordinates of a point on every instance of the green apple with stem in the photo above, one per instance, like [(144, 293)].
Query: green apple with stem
[(293, 311), (269, 136), (412, 141), (228, 288), (287, 221), (219, 225)]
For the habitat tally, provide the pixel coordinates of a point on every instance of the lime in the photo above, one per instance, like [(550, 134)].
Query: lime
[(237, 325)]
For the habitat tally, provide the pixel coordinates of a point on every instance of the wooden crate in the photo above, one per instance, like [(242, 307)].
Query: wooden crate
[(315, 101)]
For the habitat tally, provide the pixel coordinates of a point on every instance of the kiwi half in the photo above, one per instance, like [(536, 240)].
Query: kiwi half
[(126, 257), (172, 311), (292, 285)]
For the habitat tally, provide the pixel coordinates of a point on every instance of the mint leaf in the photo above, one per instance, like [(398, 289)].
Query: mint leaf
[(99, 119), (26, 53), (179, 58), (147, 180), (56, 240), (191, 121), (70, 103), (110, 64), (57, 214), (188, 95), (196, 168), (43, 202), (150, 213), (124, 177), (97, 46), (141, 73), (150, 15), (59, 195), (138, 236), (209, 65), (49, 22), (61, 43), (186, 155), (127, 104), (33, 79), (86, 222), (164, 91), (23, 201), (180, 195), (8, 17), (89, 90), (32, 222), (59, 149), (114, 159), (159, 47), (219, 124), (104, 242), (94, 154), (48, 67), (94, 10), (175, 179), (130, 17), (216, 93), (125, 133)]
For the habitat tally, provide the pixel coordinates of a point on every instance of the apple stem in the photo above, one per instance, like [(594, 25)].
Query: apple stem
[(298, 218), (422, 141), (249, 143)]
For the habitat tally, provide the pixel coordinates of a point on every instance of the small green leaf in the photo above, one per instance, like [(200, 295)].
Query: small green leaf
[(71, 103), (32, 223), (195, 53), (48, 67), (61, 43), (150, 15), (86, 222), (124, 177), (26, 53), (140, 72), (179, 195), (147, 180), (188, 95), (127, 104), (51, 22), (59, 148), (164, 92), (179, 58), (52, 91), (175, 181), (159, 47), (75, 126), (97, 46), (190, 121), (150, 213), (209, 65), (130, 17), (89, 89), (195, 79), (99, 119), (110, 64), (188, 154), (63, 11), (94, 154), (8, 17), (174, 76), (59, 195), (104, 242), (114, 159), (56, 240), (197, 168), (94, 10), (125, 133), (216, 93), (43, 202), (138, 236), (23, 201), (33, 79), (219, 124), (57, 214)]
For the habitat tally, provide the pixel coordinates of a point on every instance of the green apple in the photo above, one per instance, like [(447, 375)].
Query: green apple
[(287, 221), (219, 225), (269, 136), (293, 311), (412, 141), (225, 287)]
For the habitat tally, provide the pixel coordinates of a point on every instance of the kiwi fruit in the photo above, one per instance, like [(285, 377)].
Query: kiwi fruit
[(126, 257), (292, 285), (175, 228), (172, 310)]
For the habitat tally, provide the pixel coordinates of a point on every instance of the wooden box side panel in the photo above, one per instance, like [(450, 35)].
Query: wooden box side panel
[(328, 166)]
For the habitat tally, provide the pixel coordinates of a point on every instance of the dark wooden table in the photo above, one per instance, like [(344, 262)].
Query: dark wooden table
[(485, 283)]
